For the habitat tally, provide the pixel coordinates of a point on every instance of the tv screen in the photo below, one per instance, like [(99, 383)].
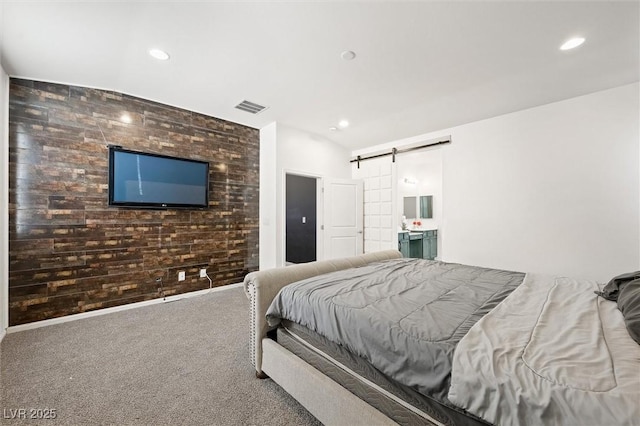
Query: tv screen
[(138, 179)]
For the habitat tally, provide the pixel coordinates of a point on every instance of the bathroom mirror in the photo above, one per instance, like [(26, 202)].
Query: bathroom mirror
[(409, 210), (426, 206)]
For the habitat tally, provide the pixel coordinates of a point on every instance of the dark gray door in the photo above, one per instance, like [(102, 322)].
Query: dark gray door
[(301, 219)]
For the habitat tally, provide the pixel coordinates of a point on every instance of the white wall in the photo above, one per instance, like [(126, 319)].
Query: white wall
[(4, 201), (268, 196), (295, 152), (553, 189)]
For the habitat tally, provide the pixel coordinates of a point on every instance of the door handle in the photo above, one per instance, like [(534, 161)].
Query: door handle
[(359, 232)]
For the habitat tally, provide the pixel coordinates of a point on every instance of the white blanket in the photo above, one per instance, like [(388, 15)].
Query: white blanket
[(552, 353)]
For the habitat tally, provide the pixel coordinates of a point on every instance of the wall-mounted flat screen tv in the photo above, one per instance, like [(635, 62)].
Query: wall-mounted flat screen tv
[(143, 180)]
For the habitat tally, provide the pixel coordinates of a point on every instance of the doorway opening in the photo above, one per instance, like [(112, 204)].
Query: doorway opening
[(301, 205)]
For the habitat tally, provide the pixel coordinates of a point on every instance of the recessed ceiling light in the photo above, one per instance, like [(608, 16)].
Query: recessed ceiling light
[(159, 54), (348, 55), (125, 118), (572, 43), (343, 124), (333, 129)]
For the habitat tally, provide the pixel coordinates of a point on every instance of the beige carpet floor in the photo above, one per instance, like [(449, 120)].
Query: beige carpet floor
[(180, 363)]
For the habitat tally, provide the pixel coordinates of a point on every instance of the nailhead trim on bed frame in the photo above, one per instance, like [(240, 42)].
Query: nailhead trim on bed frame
[(251, 288)]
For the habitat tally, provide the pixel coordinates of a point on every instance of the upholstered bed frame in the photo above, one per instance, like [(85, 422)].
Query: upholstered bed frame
[(325, 399)]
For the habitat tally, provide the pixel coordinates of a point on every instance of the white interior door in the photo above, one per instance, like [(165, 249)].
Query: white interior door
[(343, 218)]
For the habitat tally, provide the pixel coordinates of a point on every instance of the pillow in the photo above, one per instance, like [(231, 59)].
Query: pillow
[(610, 291), (629, 305)]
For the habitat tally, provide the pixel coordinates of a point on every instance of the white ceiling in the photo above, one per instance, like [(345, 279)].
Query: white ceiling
[(420, 66)]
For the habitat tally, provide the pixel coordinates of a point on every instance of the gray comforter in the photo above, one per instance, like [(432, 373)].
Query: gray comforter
[(566, 360), (405, 316)]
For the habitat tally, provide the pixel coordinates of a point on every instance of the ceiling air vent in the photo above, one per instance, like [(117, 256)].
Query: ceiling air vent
[(251, 107)]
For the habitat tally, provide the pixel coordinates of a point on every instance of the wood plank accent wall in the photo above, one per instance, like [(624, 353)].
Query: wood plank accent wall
[(69, 252)]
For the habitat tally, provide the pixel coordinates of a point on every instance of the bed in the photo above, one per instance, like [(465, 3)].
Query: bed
[(379, 339)]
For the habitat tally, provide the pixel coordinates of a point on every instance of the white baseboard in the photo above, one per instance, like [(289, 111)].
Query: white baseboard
[(2, 334), (105, 311)]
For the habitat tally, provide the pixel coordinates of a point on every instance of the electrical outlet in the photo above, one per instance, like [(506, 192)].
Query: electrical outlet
[(181, 276), (203, 273)]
